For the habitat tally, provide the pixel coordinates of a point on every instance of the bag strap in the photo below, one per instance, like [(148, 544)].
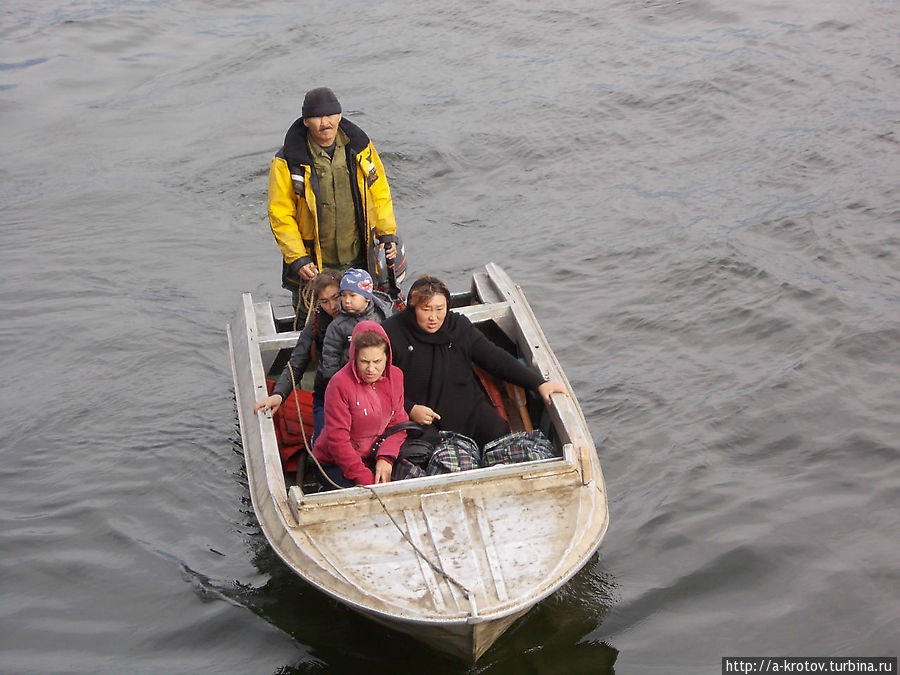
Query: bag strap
[(408, 426)]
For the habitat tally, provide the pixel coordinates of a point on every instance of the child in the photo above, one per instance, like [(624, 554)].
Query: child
[(326, 291), (358, 303)]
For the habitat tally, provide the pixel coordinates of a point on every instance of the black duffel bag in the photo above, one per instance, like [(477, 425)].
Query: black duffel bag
[(415, 451)]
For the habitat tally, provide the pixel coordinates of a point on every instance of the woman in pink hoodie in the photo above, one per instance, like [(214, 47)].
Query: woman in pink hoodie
[(361, 401)]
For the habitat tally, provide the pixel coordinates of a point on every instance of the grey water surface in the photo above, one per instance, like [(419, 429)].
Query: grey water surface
[(701, 200)]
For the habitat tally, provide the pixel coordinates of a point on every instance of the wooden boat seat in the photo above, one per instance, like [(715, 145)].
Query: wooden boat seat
[(449, 560), (508, 399)]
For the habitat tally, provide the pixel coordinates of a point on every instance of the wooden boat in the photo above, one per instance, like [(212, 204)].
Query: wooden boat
[(452, 560)]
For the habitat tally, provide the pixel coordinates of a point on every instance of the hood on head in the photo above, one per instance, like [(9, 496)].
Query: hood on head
[(370, 327)]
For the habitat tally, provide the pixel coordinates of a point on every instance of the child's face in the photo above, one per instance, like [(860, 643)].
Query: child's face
[(352, 302), (330, 300)]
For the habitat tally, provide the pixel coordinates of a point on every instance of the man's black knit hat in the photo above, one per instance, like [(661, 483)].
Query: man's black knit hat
[(320, 102)]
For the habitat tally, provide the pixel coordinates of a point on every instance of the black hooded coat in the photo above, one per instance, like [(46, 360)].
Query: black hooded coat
[(437, 372)]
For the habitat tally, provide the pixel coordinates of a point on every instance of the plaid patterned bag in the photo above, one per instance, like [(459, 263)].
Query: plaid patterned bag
[(521, 446), (453, 453), (403, 469)]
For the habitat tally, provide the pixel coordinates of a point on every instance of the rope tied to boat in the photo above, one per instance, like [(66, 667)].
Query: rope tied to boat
[(436, 567), (309, 451)]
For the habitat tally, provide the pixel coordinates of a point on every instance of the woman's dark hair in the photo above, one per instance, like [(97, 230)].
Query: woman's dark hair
[(370, 338), (426, 287), (323, 280)]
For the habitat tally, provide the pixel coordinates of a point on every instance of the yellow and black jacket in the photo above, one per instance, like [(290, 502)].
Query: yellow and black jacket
[(294, 198)]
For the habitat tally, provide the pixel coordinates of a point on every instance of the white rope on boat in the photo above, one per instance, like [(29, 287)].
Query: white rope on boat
[(435, 566)]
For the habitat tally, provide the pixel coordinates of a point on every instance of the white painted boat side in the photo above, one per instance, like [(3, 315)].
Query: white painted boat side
[(451, 560)]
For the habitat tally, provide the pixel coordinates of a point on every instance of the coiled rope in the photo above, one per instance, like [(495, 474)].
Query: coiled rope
[(304, 299)]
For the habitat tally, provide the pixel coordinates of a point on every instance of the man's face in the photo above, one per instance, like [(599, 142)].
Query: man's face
[(323, 130)]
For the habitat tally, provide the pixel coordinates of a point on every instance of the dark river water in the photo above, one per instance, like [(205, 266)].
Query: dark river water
[(701, 201)]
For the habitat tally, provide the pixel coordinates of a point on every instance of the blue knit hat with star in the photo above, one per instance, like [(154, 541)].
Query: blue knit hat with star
[(358, 281)]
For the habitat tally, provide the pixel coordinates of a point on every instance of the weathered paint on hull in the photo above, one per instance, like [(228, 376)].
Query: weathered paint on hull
[(471, 552)]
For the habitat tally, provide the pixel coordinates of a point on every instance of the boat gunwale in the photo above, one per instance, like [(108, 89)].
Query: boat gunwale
[(287, 503)]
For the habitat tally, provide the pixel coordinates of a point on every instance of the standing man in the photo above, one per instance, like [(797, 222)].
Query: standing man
[(328, 196)]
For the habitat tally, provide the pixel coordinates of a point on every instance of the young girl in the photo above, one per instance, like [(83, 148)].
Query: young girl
[(326, 291)]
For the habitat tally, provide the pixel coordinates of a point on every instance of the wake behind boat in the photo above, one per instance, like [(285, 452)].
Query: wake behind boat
[(452, 560)]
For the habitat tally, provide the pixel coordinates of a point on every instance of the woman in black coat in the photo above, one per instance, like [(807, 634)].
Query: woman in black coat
[(436, 349)]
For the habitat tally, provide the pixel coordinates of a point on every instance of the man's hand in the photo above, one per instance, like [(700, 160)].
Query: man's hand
[(308, 272)]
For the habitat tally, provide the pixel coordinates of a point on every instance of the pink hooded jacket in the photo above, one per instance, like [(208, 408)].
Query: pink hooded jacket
[(356, 413)]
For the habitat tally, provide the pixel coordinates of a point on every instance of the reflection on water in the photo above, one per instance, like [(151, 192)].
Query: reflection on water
[(552, 638)]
